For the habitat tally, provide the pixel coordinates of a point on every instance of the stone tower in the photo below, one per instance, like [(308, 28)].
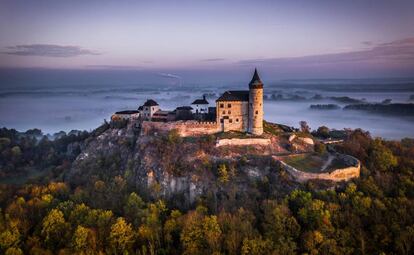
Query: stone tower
[(255, 105)]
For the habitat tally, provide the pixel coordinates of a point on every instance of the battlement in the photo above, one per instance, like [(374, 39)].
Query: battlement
[(184, 128)]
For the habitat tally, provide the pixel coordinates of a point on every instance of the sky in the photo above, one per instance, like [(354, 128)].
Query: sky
[(288, 39)]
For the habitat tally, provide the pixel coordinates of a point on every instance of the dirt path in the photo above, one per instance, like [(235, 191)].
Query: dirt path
[(327, 163)]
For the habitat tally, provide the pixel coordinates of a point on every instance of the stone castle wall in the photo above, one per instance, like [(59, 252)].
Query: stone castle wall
[(237, 115), (342, 174), (245, 141), (184, 128)]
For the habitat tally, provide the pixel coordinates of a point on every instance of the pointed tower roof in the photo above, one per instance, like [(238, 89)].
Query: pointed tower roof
[(256, 82)]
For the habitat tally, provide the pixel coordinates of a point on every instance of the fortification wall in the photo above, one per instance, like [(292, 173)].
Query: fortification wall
[(306, 140), (342, 174), (184, 128), (246, 141)]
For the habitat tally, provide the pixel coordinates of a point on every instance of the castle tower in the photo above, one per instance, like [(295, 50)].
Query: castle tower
[(255, 105)]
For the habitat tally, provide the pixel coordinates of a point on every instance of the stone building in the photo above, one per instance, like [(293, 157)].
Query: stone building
[(242, 110), (200, 106), (125, 115), (149, 108)]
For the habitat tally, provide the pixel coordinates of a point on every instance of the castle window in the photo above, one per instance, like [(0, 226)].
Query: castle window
[(229, 105), (230, 120), (229, 112), (224, 112), (237, 120), (221, 105), (257, 112), (221, 120)]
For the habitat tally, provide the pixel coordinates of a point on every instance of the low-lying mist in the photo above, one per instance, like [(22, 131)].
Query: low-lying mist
[(84, 105)]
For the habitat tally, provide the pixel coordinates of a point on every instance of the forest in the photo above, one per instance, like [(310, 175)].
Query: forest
[(46, 215)]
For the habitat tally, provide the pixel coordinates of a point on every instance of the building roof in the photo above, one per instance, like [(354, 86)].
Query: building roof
[(234, 95), (140, 108), (184, 108), (127, 112), (150, 102), (255, 82), (161, 113), (200, 101)]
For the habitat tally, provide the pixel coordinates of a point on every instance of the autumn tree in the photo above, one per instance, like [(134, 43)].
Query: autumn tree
[(55, 229), (121, 236), (84, 241)]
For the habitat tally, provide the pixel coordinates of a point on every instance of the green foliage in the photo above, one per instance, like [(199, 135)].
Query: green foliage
[(322, 132), (381, 157), (201, 234), (134, 209)]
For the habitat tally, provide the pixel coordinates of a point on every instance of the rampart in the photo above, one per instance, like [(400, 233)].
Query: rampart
[(341, 174), (245, 141), (184, 128)]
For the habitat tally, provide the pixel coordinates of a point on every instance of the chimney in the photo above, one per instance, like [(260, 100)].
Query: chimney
[(204, 97)]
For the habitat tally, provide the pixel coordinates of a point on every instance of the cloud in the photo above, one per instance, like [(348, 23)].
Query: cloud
[(367, 43), (170, 76), (401, 51), (48, 50), (212, 59), (114, 67)]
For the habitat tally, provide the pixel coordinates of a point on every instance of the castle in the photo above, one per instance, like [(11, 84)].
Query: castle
[(236, 110), (242, 110)]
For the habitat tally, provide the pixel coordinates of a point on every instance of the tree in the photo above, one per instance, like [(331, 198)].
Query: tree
[(84, 240), (314, 215), (304, 128), (14, 251), (121, 236), (381, 157), (404, 242), (212, 233), (192, 236), (172, 229), (256, 246), (235, 228), (150, 232), (201, 234), (298, 199), (10, 237), (134, 209), (323, 132), (16, 152), (223, 173), (55, 229)]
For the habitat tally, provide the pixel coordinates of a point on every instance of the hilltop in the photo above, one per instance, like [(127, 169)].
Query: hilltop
[(184, 169)]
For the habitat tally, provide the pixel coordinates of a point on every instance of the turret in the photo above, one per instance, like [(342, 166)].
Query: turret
[(255, 105)]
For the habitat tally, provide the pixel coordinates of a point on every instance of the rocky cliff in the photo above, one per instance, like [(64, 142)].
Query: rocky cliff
[(181, 170)]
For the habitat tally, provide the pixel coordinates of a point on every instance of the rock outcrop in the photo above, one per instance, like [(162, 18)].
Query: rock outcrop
[(178, 169)]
